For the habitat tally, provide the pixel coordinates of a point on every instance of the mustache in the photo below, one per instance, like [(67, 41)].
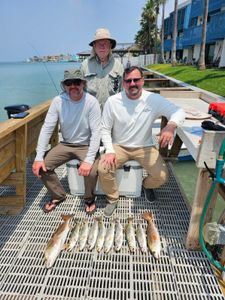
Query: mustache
[(134, 86)]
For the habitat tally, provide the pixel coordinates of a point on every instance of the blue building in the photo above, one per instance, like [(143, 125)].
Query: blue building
[(190, 19)]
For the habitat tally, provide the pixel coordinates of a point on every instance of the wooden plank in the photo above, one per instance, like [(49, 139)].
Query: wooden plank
[(168, 88), (209, 148), (32, 138), (202, 188), (13, 179), (175, 149), (163, 151), (159, 79), (7, 140), (7, 153), (7, 168), (222, 193), (11, 200), (12, 124), (222, 218), (10, 210), (21, 146), (209, 98), (180, 94), (14, 155)]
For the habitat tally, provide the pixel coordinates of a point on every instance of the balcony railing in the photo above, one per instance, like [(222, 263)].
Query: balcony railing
[(215, 28), (168, 44)]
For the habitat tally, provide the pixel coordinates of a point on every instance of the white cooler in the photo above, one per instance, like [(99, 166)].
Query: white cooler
[(129, 179)]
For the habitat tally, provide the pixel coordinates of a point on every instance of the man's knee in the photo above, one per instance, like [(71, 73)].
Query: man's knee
[(164, 176), (102, 170)]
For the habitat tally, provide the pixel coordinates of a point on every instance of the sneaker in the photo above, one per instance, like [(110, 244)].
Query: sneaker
[(149, 194), (109, 209)]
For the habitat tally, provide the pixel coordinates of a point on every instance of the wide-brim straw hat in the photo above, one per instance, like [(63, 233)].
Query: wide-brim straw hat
[(72, 74), (103, 34)]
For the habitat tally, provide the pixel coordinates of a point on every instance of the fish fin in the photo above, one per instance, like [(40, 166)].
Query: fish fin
[(147, 216)]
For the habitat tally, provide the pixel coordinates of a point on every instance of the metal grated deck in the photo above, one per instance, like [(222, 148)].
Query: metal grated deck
[(178, 274)]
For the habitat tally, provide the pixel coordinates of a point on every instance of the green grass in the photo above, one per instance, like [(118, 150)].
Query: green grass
[(212, 80)]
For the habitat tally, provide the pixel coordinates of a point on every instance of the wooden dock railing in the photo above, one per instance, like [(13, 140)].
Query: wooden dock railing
[(18, 140)]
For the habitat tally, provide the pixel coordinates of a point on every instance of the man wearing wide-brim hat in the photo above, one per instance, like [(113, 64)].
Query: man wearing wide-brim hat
[(79, 116), (102, 70)]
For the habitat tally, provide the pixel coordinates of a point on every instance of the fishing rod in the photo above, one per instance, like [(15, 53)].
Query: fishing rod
[(45, 65)]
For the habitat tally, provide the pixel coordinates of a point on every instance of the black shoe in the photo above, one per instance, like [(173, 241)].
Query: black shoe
[(149, 194), (109, 209)]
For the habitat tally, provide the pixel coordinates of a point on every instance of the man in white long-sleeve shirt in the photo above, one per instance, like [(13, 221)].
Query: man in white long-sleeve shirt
[(127, 123), (79, 116)]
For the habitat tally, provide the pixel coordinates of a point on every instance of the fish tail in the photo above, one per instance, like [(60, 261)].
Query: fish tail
[(66, 247), (147, 216), (67, 217)]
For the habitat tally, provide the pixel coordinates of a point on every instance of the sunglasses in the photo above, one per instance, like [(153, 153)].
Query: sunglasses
[(135, 80), (70, 82)]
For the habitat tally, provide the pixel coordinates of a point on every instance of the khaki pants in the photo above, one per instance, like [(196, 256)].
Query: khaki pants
[(59, 155), (148, 157)]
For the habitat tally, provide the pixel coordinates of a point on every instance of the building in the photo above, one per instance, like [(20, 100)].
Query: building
[(190, 19)]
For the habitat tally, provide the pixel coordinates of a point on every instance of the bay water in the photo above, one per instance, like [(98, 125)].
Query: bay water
[(33, 83), (30, 83)]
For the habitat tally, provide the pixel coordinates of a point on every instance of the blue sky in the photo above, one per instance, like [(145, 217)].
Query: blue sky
[(64, 26)]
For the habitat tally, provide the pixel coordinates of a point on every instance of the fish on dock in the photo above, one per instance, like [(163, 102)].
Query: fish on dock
[(93, 234), (153, 238), (83, 235), (56, 243), (109, 237), (118, 241), (130, 235), (74, 235), (101, 234), (141, 238)]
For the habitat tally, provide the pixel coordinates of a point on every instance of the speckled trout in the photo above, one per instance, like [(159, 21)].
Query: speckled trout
[(56, 243), (92, 236), (141, 238), (73, 236), (109, 237), (118, 241), (130, 235), (83, 235), (101, 235), (153, 238)]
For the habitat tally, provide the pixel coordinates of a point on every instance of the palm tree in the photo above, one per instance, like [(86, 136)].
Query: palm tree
[(201, 61), (162, 33), (157, 4), (145, 35), (174, 40)]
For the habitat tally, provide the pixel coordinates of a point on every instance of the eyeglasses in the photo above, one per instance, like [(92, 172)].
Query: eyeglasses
[(69, 82), (135, 80)]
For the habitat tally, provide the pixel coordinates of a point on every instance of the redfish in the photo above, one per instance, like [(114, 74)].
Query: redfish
[(153, 238), (56, 243)]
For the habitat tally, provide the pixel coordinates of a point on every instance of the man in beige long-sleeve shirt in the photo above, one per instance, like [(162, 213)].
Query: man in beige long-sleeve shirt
[(102, 71)]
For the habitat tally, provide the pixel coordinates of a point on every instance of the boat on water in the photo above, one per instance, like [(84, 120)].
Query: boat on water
[(25, 230)]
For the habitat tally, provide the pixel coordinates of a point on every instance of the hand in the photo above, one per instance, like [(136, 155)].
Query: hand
[(109, 160), (84, 169), (37, 165), (167, 134)]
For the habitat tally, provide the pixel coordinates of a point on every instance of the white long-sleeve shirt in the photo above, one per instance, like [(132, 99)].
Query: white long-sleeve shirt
[(128, 123), (80, 123)]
